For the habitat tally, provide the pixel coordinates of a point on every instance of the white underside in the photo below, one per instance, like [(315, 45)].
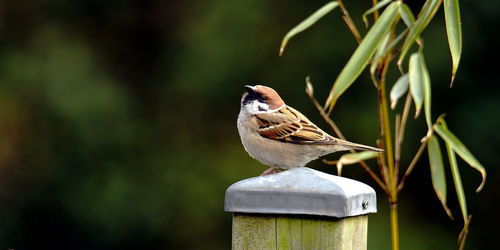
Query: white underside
[(275, 153)]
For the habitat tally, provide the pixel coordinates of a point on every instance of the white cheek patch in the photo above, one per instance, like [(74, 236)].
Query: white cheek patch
[(257, 107), (263, 107)]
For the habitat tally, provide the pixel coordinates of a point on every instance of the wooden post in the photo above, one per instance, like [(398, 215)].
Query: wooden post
[(300, 209)]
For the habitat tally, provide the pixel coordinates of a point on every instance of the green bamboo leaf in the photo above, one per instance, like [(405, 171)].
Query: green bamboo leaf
[(457, 146), (458, 181), (463, 234), (308, 22), (396, 41), (437, 171), (459, 189), (425, 16), (406, 15), (373, 9), (377, 56), (352, 158), (363, 53), (399, 89), (408, 19), (454, 31), (415, 75), (434, 6), (426, 81)]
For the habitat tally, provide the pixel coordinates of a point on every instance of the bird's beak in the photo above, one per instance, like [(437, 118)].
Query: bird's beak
[(250, 89)]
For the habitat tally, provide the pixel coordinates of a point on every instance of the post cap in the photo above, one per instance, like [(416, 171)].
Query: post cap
[(301, 191)]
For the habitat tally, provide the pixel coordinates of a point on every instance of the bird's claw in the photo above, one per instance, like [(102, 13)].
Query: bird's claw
[(271, 170)]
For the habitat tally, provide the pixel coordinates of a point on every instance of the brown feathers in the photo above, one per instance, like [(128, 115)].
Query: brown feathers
[(289, 125), (271, 96)]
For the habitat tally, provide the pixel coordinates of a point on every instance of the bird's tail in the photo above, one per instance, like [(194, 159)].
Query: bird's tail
[(347, 145)]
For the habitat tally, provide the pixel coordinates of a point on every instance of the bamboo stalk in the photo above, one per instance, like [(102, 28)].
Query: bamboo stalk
[(348, 20), (387, 134), (389, 153), (375, 14), (394, 226), (397, 148), (412, 165), (404, 118)]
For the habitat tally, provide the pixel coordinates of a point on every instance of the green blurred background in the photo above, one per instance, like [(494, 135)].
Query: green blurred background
[(118, 118)]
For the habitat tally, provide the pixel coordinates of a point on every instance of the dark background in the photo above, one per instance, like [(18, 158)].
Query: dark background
[(118, 118)]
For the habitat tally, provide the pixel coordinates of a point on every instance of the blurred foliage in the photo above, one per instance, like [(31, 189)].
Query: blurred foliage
[(117, 118)]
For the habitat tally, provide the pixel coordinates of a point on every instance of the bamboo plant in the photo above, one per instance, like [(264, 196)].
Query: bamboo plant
[(384, 46)]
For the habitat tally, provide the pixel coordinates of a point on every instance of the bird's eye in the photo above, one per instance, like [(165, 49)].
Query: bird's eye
[(262, 99)]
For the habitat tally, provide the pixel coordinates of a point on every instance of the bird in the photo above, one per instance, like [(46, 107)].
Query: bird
[(281, 137)]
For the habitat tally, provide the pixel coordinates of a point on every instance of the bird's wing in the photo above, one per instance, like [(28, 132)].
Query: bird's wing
[(289, 125)]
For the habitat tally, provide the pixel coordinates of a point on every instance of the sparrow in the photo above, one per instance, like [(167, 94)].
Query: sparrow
[(281, 137)]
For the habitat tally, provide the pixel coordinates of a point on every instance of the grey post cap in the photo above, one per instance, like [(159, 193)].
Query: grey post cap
[(301, 191)]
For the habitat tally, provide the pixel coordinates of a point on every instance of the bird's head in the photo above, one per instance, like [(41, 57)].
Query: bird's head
[(261, 99)]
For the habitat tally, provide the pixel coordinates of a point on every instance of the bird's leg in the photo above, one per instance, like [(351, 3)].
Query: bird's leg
[(275, 171), (272, 170)]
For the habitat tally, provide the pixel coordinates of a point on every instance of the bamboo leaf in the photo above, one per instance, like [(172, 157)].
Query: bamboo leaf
[(425, 16), (426, 81), (377, 56), (352, 158), (415, 76), (395, 42), (463, 234), (408, 19), (399, 89), (458, 181), (437, 171), (363, 53), (308, 22), (454, 31), (406, 15), (373, 9), (460, 191), (458, 147)]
